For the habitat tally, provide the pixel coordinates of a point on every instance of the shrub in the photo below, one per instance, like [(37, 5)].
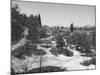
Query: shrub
[(44, 41), (68, 53), (82, 40), (57, 51), (60, 42), (39, 52), (89, 62), (46, 46), (27, 50)]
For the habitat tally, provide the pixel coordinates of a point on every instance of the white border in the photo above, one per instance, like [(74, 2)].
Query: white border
[(5, 36)]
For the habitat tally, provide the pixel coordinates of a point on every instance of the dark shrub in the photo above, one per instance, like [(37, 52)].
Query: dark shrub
[(39, 52), (27, 50), (46, 46), (44, 41), (60, 42), (82, 40), (89, 62), (57, 51), (12, 72), (54, 51), (68, 53)]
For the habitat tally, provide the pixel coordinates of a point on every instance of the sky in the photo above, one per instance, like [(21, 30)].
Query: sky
[(53, 14)]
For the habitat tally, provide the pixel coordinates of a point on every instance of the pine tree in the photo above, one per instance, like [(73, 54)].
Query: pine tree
[(71, 27), (39, 19)]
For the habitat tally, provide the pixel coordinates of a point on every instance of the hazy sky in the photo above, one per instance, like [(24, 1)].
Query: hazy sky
[(59, 14)]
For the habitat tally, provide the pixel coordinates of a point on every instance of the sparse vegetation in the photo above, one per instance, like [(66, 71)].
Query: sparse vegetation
[(83, 41), (39, 43), (45, 69), (27, 50)]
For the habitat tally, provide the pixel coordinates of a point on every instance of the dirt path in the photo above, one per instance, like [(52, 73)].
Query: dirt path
[(69, 63)]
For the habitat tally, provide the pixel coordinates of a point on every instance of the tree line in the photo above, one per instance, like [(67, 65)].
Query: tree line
[(19, 21)]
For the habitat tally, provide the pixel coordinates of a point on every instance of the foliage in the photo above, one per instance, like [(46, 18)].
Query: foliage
[(45, 69), (19, 21), (46, 46), (27, 50), (89, 62), (60, 42), (57, 51), (16, 24), (43, 33), (44, 41), (82, 40), (71, 27)]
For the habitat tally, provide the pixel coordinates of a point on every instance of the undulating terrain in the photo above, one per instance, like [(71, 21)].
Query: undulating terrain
[(36, 48)]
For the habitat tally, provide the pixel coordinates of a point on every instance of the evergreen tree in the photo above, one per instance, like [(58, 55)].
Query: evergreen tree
[(39, 19), (71, 27)]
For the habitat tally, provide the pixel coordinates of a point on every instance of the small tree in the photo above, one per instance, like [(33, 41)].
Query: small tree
[(60, 42), (71, 27), (39, 19), (62, 27)]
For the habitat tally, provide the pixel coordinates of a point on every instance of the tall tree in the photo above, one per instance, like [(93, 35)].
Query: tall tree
[(39, 19), (71, 27), (16, 24)]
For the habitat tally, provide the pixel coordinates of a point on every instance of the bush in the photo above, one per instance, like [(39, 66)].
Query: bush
[(27, 50), (39, 52), (57, 51), (44, 41), (89, 62), (43, 34), (16, 32), (68, 53), (46, 46), (60, 42), (12, 72), (82, 40)]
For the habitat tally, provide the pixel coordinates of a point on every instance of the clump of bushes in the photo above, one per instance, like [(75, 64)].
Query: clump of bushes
[(43, 33), (89, 62), (82, 40), (27, 50), (46, 46), (57, 51), (39, 52), (44, 41), (60, 42)]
